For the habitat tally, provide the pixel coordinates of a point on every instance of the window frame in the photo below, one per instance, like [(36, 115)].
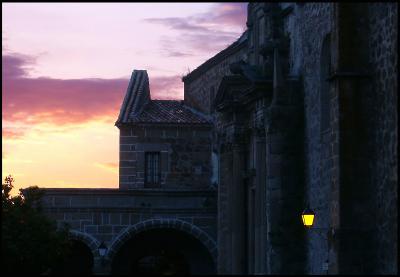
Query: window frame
[(155, 171)]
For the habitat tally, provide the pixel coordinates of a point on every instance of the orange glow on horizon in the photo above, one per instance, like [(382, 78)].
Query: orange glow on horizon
[(73, 156)]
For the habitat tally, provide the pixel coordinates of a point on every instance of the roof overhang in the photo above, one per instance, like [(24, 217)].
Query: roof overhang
[(236, 91)]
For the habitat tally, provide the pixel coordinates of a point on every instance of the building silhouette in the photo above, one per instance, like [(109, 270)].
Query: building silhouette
[(300, 111)]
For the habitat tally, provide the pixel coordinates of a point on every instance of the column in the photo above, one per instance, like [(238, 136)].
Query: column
[(260, 212), (238, 209)]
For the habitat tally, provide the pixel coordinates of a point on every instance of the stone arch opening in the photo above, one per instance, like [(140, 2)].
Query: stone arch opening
[(81, 258), (87, 239), (163, 247)]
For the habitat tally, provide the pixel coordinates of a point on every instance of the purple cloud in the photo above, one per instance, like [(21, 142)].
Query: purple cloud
[(203, 32), (178, 23), (16, 65), (168, 88), (230, 13), (62, 102)]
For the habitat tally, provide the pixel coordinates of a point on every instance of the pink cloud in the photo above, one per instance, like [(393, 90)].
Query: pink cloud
[(178, 23), (12, 134), (230, 13), (62, 102), (168, 88), (203, 32)]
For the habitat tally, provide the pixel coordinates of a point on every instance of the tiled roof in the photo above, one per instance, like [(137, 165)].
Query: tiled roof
[(167, 111), (138, 92)]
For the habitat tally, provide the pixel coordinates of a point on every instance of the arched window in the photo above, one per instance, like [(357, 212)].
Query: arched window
[(325, 95)]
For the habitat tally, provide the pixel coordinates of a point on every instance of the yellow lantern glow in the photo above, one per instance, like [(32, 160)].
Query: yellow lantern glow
[(308, 217)]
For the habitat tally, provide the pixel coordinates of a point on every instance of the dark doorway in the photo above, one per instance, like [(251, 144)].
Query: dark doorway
[(78, 261), (163, 252)]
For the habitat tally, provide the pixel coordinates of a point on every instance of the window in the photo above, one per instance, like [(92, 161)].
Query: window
[(152, 169)]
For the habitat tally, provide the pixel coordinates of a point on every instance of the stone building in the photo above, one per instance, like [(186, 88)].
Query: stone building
[(300, 111), (162, 219), (304, 107)]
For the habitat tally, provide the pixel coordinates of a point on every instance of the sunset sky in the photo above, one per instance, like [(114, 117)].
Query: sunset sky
[(65, 70)]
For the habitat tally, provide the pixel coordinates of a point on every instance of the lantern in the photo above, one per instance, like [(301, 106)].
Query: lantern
[(308, 217), (102, 249)]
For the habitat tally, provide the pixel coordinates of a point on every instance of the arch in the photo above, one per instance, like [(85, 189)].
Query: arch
[(170, 223), (80, 259), (87, 239)]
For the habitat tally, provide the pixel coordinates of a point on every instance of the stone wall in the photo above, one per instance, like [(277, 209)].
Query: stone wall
[(307, 26), (383, 55), (105, 213), (201, 89), (185, 153), (351, 172)]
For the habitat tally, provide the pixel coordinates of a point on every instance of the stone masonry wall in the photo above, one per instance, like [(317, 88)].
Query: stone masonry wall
[(313, 22), (185, 153), (383, 44), (106, 213), (200, 92)]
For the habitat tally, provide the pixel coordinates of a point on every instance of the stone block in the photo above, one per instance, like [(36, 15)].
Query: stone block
[(61, 201), (202, 133), (125, 219), (115, 219), (185, 133), (128, 140), (154, 132), (90, 229), (105, 229), (125, 131), (127, 164), (84, 223), (134, 218), (117, 229), (127, 156), (138, 131), (128, 171), (83, 201), (75, 224), (81, 216), (204, 221), (105, 218), (153, 147), (171, 132), (125, 147)]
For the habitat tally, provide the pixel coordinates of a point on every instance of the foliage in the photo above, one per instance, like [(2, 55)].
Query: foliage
[(30, 241)]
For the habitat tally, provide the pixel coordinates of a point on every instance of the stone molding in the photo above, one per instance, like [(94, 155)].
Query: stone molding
[(87, 239)]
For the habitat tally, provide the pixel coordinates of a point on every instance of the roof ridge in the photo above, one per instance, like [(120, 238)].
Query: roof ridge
[(137, 93)]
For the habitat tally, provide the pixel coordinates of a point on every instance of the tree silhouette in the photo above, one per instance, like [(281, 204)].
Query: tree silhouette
[(30, 242)]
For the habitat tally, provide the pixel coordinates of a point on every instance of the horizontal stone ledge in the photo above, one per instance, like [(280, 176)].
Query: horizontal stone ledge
[(117, 192), (189, 212)]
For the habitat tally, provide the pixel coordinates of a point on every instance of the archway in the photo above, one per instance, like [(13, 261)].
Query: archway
[(163, 249)]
